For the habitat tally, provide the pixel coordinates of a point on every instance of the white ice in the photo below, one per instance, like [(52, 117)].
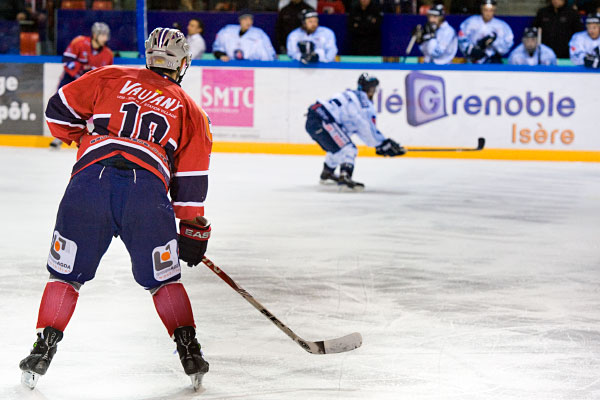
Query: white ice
[(467, 279)]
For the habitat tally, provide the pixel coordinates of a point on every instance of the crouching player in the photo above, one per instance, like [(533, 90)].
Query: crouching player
[(331, 123)]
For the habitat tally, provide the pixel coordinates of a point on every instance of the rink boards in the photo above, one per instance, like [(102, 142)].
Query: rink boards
[(522, 112)]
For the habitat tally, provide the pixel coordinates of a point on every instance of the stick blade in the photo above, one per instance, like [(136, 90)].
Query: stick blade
[(480, 143), (343, 344)]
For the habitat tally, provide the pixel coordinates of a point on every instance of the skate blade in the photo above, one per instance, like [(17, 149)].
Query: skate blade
[(328, 182), (196, 381), (347, 189), (29, 379)]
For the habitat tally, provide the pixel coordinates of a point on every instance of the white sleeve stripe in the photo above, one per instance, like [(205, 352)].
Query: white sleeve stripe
[(191, 173), (173, 143), (64, 100), (188, 204), (67, 54), (101, 116), (59, 122)]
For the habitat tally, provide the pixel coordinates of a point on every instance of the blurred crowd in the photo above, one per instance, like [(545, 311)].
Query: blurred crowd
[(562, 29)]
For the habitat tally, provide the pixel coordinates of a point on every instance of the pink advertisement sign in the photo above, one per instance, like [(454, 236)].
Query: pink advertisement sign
[(228, 96)]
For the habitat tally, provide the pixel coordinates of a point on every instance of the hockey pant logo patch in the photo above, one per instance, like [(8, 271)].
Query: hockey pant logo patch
[(336, 133), (166, 261), (62, 254)]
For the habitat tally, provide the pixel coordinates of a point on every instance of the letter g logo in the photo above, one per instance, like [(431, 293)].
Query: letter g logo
[(428, 101), (425, 98)]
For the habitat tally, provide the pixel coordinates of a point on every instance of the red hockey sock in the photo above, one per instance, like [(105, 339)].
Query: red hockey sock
[(57, 306), (173, 306)]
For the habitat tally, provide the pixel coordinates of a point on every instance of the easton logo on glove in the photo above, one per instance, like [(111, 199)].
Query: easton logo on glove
[(193, 241), (197, 234)]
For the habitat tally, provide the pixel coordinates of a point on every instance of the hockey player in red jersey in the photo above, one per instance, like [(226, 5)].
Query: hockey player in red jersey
[(85, 53), (149, 137)]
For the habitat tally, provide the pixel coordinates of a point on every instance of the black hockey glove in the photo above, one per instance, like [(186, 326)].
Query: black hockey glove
[(307, 52), (475, 53), (487, 41), (592, 60), (417, 32), (193, 240), (390, 148), (429, 32), (309, 58)]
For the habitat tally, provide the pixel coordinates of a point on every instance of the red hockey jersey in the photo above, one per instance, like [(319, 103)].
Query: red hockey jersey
[(143, 116), (81, 57)]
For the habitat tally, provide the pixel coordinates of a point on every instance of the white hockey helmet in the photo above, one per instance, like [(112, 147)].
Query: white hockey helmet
[(166, 48), (99, 28)]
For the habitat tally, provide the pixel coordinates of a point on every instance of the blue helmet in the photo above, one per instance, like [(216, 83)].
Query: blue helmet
[(365, 82)]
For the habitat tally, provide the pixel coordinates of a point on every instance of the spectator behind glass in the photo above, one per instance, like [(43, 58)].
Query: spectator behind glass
[(184, 5), (195, 29), (12, 10), (586, 6), (243, 41), (558, 22), (288, 20), (330, 7), (312, 3), (464, 7), (364, 27)]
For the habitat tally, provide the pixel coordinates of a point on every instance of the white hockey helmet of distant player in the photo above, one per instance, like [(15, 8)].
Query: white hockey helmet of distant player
[(99, 28), (167, 48)]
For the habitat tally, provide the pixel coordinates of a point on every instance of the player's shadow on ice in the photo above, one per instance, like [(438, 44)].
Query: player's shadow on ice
[(190, 394), (369, 191), (182, 394)]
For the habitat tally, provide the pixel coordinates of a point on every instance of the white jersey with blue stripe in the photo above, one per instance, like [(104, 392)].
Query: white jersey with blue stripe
[(356, 115), (323, 39), (254, 43), (581, 44), (543, 55), (475, 28), (442, 48)]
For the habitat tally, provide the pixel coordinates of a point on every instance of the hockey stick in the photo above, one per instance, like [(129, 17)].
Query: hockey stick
[(338, 345), (410, 46), (480, 146)]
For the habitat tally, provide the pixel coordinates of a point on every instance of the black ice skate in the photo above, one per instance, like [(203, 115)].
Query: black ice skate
[(190, 354), (37, 363), (328, 176), (56, 144), (345, 182)]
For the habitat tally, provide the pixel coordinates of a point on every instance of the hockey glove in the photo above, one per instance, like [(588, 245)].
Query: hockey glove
[(193, 240), (417, 33), (429, 32), (475, 53), (307, 52), (487, 41), (309, 58), (592, 60), (390, 148)]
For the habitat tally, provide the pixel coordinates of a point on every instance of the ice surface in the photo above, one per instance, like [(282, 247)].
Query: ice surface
[(467, 280)]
